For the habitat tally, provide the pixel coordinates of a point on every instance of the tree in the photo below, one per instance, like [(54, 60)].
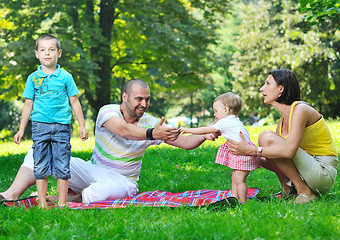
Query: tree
[(274, 35), (9, 119), (319, 10), (198, 103), (107, 42)]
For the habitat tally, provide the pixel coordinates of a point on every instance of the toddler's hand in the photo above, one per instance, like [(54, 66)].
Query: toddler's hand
[(83, 133), (212, 136), (184, 130)]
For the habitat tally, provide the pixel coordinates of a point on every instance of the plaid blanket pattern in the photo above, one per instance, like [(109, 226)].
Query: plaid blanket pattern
[(149, 199), (26, 203)]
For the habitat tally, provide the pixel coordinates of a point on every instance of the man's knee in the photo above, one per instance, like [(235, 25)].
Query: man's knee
[(29, 161), (101, 191)]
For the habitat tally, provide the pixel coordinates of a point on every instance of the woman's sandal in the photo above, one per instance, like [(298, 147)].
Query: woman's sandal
[(302, 198)]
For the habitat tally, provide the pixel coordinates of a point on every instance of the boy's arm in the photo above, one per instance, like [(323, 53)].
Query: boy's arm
[(80, 117), (199, 131), (25, 115)]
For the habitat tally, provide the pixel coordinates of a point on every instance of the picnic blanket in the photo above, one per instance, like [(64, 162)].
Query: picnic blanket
[(148, 199)]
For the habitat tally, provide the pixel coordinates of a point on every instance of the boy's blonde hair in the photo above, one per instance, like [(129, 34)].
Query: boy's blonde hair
[(47, 37), (231, 100)]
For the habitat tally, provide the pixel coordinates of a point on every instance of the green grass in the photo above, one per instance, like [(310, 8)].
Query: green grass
[(172, 169)]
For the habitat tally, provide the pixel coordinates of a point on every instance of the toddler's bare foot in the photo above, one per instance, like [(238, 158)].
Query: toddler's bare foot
[(42, 205)]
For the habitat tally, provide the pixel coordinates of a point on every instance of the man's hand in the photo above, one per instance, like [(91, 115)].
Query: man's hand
[(165, 133), (212, 136)]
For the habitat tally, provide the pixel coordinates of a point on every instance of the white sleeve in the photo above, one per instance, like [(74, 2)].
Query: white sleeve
[(28, 161)]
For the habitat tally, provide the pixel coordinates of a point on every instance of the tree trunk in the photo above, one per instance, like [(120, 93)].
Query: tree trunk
[(102, 55)]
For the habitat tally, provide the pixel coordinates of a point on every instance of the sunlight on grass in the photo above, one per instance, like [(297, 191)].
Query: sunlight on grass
[(9, 148), (334, 128), (79, 145), (192, 168)]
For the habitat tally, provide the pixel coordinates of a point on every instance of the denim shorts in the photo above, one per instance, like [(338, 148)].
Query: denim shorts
[(51, 150)]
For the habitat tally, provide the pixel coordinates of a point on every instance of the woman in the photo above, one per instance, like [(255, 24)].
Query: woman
[(301, 152)]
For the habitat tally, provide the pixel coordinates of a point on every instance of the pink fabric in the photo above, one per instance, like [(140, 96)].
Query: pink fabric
[(238, 162)]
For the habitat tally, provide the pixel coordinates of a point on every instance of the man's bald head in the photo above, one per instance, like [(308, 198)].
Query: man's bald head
[(129, 84)]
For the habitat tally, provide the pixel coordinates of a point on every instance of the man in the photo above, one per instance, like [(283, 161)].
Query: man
[(252, 119), (122, 135)]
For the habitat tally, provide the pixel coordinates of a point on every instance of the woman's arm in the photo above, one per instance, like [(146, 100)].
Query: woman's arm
[(300, 116), (287, 148)]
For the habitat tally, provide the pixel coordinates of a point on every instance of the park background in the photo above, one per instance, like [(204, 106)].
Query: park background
[(189, 52)]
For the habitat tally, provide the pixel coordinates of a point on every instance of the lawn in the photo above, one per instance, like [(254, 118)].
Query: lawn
[(175, 170)]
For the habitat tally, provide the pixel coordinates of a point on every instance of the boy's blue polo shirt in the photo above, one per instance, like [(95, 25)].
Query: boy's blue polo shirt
[(50, 94)]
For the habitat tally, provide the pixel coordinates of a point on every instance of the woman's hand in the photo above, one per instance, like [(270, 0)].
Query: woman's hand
[(242, 147)]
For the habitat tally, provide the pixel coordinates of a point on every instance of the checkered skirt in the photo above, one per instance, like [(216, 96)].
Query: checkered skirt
[(237, 162)]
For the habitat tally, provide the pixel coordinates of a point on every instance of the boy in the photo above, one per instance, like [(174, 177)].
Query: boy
[(49, 91)]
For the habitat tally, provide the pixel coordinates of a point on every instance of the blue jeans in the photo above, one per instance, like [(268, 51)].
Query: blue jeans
[(51, 150)]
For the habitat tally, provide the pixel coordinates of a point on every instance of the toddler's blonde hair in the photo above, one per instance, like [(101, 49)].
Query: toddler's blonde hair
[(231, 100)]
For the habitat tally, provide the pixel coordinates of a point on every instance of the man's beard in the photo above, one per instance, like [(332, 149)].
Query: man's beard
[(139, 112), (136, 112)]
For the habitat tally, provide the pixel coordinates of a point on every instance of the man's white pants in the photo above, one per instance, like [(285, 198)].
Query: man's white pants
[(94, 182)]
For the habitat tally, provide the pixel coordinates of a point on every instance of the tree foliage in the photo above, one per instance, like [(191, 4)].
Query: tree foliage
[(107, 42), (319, 10), (198, 103), (176, 46), (274, 35), (259, 37)]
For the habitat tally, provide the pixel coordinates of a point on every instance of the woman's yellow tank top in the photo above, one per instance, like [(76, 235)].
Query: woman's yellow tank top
[(317, 139)]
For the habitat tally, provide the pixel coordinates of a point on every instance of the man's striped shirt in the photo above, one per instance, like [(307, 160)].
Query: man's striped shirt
[(118, 153)]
